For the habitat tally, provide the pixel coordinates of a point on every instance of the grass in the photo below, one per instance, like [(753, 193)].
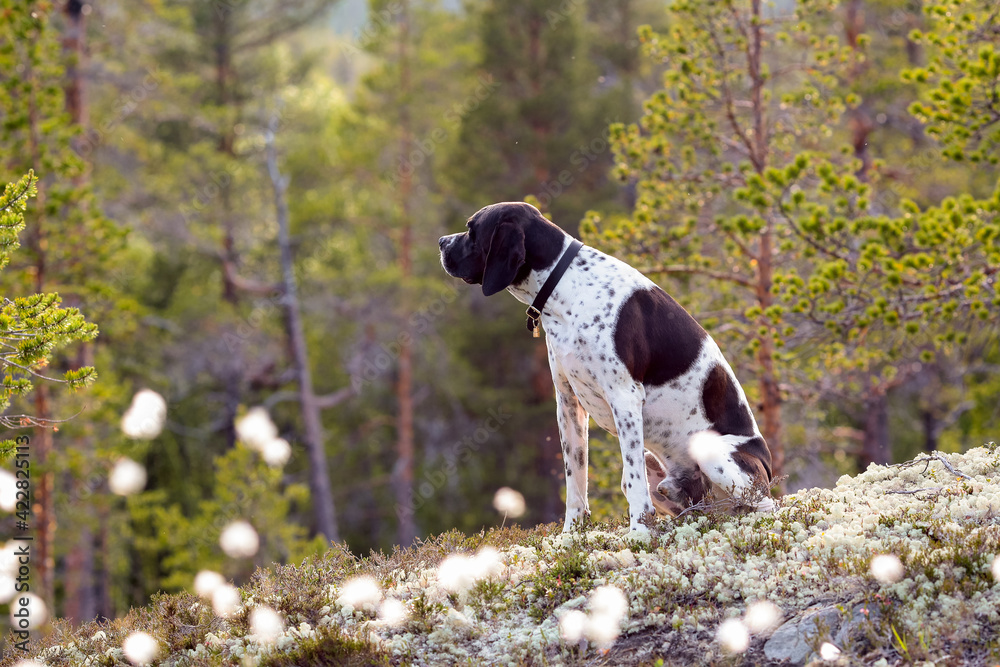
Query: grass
[(697, 571)]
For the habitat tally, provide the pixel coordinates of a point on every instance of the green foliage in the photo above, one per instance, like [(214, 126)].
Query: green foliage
[(758, 196), (569, 576), (244, 487), (13, 203), (33, 328), (960, 107)]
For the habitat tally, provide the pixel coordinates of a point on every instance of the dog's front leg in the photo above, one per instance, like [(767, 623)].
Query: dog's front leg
[(573, 424), (626, 407)]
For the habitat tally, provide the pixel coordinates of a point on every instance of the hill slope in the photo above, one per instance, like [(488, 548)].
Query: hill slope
[(537, 596)]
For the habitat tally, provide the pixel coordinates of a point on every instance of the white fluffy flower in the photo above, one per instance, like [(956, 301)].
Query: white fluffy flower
[(29, 663), (734, 635), (509, 502), (572, 625), (393, 612), (609, 602), (360, 592), (456, 573), (608, 608), (276, 452), (140, 648), (8, 558), (887, 569), (762, 616), (256, 429), (828, 651), (8, 491), (226, 600), (996, 568), (145, 416), (205, 583), (7, 588), (127, 477), (239, 540), (707, 449), (37, 614), (266, 625)]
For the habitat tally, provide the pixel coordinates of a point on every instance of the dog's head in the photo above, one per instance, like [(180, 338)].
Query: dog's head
[(504, 242)]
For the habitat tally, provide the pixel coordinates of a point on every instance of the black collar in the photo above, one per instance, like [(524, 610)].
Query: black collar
[(534, 311)]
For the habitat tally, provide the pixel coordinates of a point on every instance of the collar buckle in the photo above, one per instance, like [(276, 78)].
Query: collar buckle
[(534, 318)]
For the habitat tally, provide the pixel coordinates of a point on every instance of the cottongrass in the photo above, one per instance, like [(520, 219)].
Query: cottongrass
[(127, 477), (146, 415), (734, 635), (276, 452), (360, 592), (460, 572), (828, 652), (8, 491), (226, 600), (393, 612), (887, 568), (256, 429), (8, 588), (762, 616), (509, 502), (205, 583), (602, 626), (38, 612), (140, 648), (239, 540), (572, 625), (266, 625)]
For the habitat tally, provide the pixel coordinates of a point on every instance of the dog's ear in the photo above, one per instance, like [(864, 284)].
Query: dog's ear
[(504, 257)]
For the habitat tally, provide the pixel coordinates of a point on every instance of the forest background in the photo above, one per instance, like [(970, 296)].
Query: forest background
[(244, 196)]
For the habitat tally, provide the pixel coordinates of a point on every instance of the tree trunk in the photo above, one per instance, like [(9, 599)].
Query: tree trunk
[(319, 476), (44, 505), (876, 447), (43, 508), (767, 376), (80, 604), (403, 470), (930, 424)]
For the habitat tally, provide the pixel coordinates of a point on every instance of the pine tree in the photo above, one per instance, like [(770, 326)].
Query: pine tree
[(746, 195), (70, 242)]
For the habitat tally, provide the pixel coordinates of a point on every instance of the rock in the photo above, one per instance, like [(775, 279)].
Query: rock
[(793, 642)]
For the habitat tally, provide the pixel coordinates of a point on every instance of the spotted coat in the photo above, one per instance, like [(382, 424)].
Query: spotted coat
[(625, 354)]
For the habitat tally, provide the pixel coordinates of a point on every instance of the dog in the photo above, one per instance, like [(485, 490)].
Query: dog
[(625, 354)]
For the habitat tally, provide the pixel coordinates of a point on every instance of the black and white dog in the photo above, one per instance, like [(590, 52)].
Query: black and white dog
[(624, 352)]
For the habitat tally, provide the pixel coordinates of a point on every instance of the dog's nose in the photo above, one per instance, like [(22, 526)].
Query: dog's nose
[(441, 242)]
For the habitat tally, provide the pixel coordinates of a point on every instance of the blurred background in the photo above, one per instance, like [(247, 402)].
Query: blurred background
[(245, 197)]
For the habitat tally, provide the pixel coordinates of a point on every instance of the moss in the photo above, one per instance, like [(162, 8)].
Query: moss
[(569, 576), (329, 648)]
